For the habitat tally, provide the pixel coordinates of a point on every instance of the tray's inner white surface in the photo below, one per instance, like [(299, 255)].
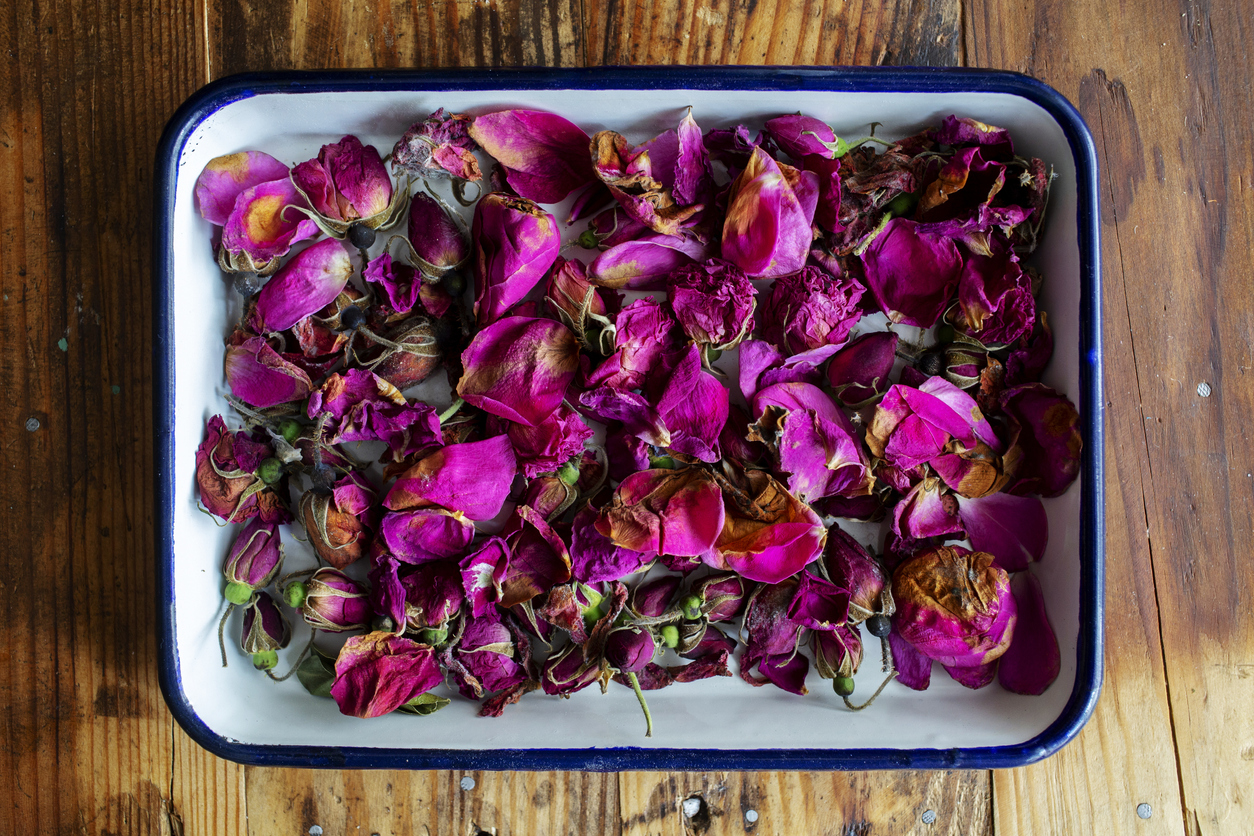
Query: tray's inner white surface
[(240, 704)]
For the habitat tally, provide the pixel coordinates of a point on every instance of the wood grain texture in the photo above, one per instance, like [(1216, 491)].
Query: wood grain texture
[(1168, 101), (924, 32), (813, 803), (89, 745)]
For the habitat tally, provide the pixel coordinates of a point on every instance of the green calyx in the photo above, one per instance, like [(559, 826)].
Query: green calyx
[(270, 471), (843, 686), (587, 239), (238, 593), (662, 462), (691, 607), (903, 204), (670, 636), (266, 660), (289, 429), (295, 594), (433, 636), (568, 473)]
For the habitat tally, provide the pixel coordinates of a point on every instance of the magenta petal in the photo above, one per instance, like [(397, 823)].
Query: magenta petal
[(816, 442), (713, 302), (514, 243), (645, 262), (645, 331), (1013, 529), (225, 178), (483, 572), (912, 273), (1033, 661), (694, 407), (426, 534), (346, 181), (1048, 436), (691, 164), (545, 156), (307, 283), (518, 368), (819, 604), (786, 673), (547, 446), (259, 225), (638, 417), (811, 309), (593, 558), (436, 238), (378, 673), (799, 136), (973, 677), (914, 670), (769, 211), (756, 356), (927, 511), (472, 478), (860, 371), (258, 376), (996, 297)]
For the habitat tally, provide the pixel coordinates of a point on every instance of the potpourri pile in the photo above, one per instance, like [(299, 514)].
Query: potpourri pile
[(608, 497)]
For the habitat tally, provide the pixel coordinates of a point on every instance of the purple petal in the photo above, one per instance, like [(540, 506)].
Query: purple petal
[(306, 284), (1013, 529), (378, 673), (973, 677), (1033, 661), (692, 163), (914, 670), (1048, 437), (426, 534), (518, 368), (259, 226), (593, 558), (799, 136), (644, 263), (819, 604), (769, 211), (638, 417), (483, 572), (927, 511), (694, 407), (545, 156), (514, 242)]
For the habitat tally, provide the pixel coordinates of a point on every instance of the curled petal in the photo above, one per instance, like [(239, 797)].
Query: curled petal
[(226, 178), (514, 243), (769, 211), (259, 226), (483, 572), (258, 376), (378, 673), (780, 537), (913, 274), (472, 478), (860, 371), (346, 182), (1013, 529), (426, 534), (306, 284), (519, 368), (693, 405), (545, 156), (595, 558), (644, 263), (927, 511), (664, 512)]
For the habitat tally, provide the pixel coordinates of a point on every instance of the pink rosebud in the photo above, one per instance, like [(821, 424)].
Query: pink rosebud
[(425, 534), (515, 242), (810, 309), (851, 568), (692, 404), (913, 274), (260, 230), (814, 441), (714, 303), (346, 182), (519, 368), (860, 371), (769, 211), (307, 283), (258, 376), (265, 631), (439, 145), (674, 512), (435, 237), (954, 606), (554, 441), (644, 263), (629, 649), (567, 671), (471, 478), (781, 536), (1044, 430), (337, 523), (335, 602), (378, 673), (254, 561), (722, 595), (538, 559), (227, 464), (433, 595), (837, 652), (927, 510), (1033, 660), (569, 291), (653, 598), (545, 157)]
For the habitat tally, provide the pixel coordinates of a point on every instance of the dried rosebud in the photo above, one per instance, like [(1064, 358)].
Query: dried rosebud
[(515, 243), (433, 594), (246, 194), (629, 175), (674, 512), (811, 309), (837, 653), (852, 568), (554, 441), (538, 558), (713, 302), (814, 441), (954, 606), (436, 238), (770, 207), (265, 627), (487, 656), (799, 136), (472, 478), (769, 534), (653, 598), (336, 523), (927, 510), (483, 572), (378, 673), (226, 473), (439, 145), (307, 283), (414, 355), (518, 368), (721, 596), (1044, 427), (259, 376), (348, 183), (774, 639), (629, 649), (545, 157), (567, 671), (570, 295), (255, 559), (912, 273), (860, 371), (335, 602)]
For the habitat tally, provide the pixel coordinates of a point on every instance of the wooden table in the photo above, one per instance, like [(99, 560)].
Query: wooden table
[(88, 745)]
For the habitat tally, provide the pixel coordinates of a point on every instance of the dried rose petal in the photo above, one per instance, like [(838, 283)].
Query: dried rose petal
[(425, 534), (819, 604), (1033, 660), (545, 157), (995, 297), (912, 273), (365, 407), (515, 242), (258, 376), (538, 559), (913, 426), (483, 571), (780, 537), (378, 673), (487, 653), (713, 302), (554, 441), (629, 176), (799, 136), (860, 371), (644, 263), (769, 210), (594, 558), (518, 368), (852, 568), (645, 330), (1013, 529), (259, 230), (433, 594), (346, 182), (674, 512), (225, 178), (692, 405), (773, 640), (307, 283), (472, 478), (438, 145), (1045, 429)]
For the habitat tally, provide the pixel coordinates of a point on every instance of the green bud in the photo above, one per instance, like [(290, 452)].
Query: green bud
[(266, 660), (433, 636), (238, 593), (290, 429), (691, 607), (843, 686), (270, 471), (295, 594), (670, 635), (587, 240), (568, 473)]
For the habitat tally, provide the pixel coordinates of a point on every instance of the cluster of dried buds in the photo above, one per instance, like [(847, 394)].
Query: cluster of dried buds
[(502, 545)]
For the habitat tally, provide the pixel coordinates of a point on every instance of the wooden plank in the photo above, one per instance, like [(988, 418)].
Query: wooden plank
[(311, 34), (88, 739), (421, 803), (1168, 101), (859, 803), (924, 32)]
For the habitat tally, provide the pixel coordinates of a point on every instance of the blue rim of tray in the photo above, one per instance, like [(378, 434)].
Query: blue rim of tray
[(831, 79)]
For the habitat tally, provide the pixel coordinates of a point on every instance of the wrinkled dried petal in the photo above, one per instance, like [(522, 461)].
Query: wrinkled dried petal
[(914, 670), (811, 309), (713, 302), (547, 446), (1013, 529), (782, 535), (426, 534), (1045, 429), (995, 297), (852, 568), (378, 673), (438, 145), (514, 242), (629, 176), (861, 370), (259, 230), (258, 376), (928, 510), (594, 558), (225, 178), (539, 559), (818, 604), (545, 157), (519, 368), (483, 571), (433, 594), (472, 478), (913, 274), (674, 512), (769, 210)]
